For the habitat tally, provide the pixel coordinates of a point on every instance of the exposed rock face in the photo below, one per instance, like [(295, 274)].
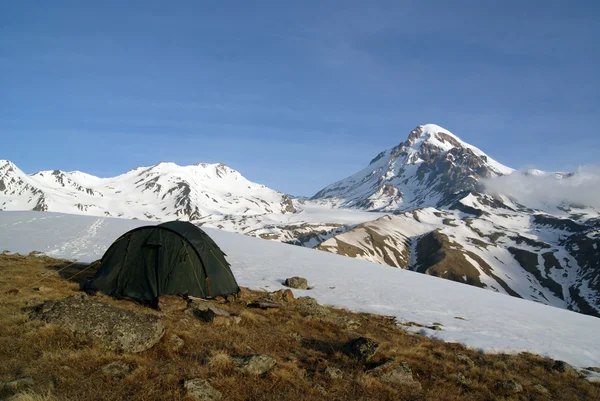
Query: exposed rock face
[(296, 282), (254, 364), (201, 390), (360, 349), (113, 328)]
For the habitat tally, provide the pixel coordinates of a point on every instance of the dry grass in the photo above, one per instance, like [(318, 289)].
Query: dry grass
[(68, 368)]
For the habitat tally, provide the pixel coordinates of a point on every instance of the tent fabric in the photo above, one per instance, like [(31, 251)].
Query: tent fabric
[(173, 258)]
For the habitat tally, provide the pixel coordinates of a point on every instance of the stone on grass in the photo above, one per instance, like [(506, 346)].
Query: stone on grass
[(171, 303), (360, 349), (113, 328), (254, 364), (296, 282), (201, 390)]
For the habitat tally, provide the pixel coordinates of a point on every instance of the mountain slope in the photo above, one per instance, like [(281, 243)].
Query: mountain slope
[(486, 321), (446, 224), (510, 252), (430, 168)]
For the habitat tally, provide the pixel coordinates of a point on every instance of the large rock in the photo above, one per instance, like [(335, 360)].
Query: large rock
[(296, 282), (113, 328), (360, 349), (254, 364), (201, 390), (563, 367), (397, 374), (510, 386)]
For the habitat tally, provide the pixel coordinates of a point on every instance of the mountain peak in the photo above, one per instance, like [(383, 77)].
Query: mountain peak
[(428, 169)]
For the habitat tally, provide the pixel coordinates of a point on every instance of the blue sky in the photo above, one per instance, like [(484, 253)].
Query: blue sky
[(294, 95)]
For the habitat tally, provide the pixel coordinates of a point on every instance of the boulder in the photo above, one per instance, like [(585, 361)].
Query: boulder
[(117, 369), (393, 373), (171, 303), (113, 328), (360, 349), (563, 367), (201, 390), (254, 364), (296, 282), (209, 313)]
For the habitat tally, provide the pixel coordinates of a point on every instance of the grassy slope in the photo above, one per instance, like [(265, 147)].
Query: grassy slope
[(66, 367)]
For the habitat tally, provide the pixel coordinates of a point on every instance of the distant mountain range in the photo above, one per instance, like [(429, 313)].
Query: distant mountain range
[(429, 210)]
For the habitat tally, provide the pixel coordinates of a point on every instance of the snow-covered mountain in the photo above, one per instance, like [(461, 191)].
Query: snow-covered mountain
[(159, 192), (446, 222), (431, 168)]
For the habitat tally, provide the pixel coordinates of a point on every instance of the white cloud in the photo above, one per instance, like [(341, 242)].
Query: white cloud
[(534, 188)]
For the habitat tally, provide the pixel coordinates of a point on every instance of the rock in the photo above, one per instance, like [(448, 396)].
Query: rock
[(360, 349), (176, 343), (264, 305), (171, 303), (593, 369), (230, 298), (296, 282), (201, 390), (288, 296), (563, 367), (117, 369), (465, 359), (254, 364), (313, 309), (510, 386), (113, 328), (333, 373), (220, 299), (17, 385), (209, 313), (296, 336), (541, 389), (401, 375)]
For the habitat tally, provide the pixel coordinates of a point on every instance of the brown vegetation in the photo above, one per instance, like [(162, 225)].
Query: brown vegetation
[(304, 343)]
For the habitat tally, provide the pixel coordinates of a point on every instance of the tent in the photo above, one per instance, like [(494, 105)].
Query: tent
[(175, 258)]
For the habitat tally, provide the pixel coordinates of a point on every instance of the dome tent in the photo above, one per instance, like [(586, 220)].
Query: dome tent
[(173, 258)]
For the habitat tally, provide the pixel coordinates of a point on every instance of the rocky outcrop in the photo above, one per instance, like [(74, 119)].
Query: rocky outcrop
[(111, 327)]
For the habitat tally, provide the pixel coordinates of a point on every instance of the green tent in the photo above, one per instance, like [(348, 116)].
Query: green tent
[(175, 258)]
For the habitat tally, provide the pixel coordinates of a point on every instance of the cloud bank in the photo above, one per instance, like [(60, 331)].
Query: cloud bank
[(534, 188)]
